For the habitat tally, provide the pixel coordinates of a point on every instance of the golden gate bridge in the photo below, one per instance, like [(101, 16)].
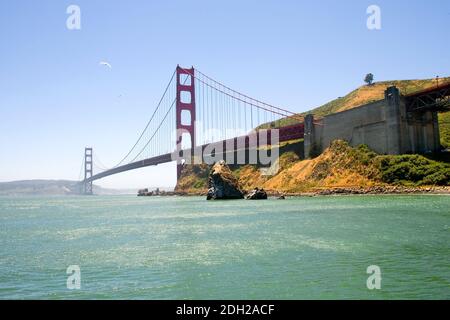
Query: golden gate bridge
[(198, 115), (196, 112)]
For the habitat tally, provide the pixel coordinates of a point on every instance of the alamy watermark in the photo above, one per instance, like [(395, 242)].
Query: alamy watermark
[(259, 147), (73, 22), (74, 279), (374, 19), (374, 280)]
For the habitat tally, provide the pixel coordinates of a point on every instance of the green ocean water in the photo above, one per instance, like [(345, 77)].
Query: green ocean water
[(187, 248)]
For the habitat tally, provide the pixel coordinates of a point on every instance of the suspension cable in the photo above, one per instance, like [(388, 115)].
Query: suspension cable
[(279, 110), (81, 169), (246, 96), (99, 163), (293, 115), (148, 123), (160, 124), (151, 138)]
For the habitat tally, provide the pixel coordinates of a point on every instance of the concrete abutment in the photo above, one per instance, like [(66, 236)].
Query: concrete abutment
[(386, 126)]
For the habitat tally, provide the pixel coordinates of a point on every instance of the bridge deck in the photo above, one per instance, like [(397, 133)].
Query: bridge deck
[(432, 99), (287, 133)]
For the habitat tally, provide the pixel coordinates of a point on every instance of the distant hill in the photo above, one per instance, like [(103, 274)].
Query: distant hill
[(51, 187)]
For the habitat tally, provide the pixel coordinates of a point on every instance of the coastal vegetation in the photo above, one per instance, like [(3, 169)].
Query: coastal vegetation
[(339, 166), (413, 170)]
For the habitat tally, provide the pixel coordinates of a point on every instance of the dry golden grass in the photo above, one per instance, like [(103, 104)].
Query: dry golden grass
[(367, 94), (335, 167)]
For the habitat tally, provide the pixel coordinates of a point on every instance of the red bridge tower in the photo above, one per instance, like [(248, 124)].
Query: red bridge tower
[(185, 109)]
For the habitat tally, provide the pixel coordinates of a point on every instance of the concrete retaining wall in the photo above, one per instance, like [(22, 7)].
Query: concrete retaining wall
[(385, 126)]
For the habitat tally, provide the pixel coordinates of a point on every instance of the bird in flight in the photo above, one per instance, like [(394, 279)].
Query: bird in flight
[(104, 63)]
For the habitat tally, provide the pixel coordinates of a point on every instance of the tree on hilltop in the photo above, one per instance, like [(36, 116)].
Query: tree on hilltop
[(368, 79)]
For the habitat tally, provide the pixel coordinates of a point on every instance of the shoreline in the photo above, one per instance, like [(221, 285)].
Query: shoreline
[(371, 191), (334, 191)]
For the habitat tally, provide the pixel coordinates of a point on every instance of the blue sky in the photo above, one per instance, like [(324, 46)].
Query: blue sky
[(55, 99)]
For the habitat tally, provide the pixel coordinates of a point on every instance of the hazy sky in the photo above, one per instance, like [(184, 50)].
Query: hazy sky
[(55, 99)]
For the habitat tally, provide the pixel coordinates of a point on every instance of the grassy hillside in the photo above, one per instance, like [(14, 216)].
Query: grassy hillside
[(367, 94)]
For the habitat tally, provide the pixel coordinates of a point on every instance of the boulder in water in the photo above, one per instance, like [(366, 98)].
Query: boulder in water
[(257, 194), (222, 184)]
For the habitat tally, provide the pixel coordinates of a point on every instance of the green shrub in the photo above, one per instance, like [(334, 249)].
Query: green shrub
[(199, 184), (413, 168), (364, 154), (440, 178), (444, 128)]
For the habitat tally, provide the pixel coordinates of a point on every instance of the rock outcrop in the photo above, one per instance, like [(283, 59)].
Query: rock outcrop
[(222, 184), (257, 194), (144, 193), (157, 192)]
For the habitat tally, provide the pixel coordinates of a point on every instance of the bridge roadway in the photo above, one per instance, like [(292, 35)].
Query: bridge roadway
[(286, 133), (436, 98)]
